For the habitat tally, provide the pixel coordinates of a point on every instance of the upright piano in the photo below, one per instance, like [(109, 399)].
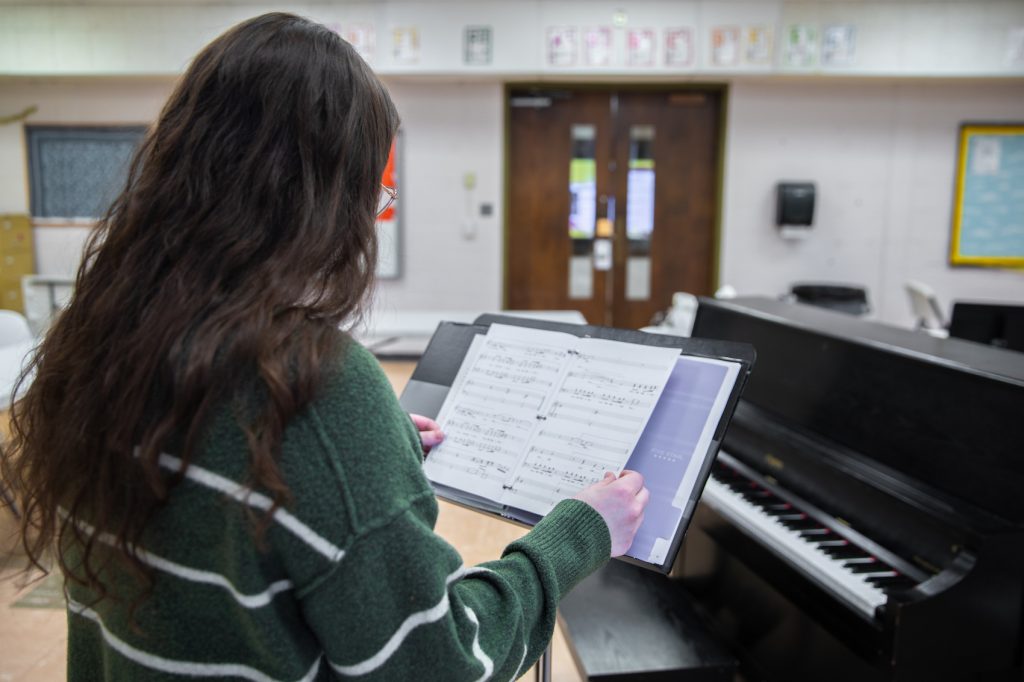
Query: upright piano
[(865, 516)]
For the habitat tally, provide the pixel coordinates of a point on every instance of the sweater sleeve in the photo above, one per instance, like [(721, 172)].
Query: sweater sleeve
[(400, 604)]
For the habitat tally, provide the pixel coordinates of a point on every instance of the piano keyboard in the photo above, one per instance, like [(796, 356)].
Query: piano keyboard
[(839, 560)]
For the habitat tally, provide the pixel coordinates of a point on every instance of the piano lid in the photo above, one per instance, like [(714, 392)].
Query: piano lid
[(945, 412)]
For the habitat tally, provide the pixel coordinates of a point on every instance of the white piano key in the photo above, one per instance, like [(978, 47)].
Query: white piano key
[(790, 545)]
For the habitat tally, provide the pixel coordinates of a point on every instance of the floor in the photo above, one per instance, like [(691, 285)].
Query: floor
[(33, 641)]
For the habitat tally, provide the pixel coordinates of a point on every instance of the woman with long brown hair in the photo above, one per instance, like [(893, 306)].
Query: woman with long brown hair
[(225, 478)]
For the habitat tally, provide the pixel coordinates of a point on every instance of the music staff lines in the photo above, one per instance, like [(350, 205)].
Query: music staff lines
[(571, 486), (484, 446), (610, 400), (512, 363), (635, 388), (594, 422), (526, 493), (534, 349), (509, 376), (592, 461), (506, 420), (507, 396), (617, 361), (481, 467), (481, 431), (616, 448)]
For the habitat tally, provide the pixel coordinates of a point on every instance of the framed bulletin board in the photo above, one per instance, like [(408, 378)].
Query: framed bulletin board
[(988, 205), (389, 223), (77, 171)]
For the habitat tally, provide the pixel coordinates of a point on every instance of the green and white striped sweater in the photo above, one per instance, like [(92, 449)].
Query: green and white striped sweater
[(352, 581)]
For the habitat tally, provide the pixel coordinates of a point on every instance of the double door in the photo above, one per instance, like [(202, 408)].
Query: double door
[(612, 200)]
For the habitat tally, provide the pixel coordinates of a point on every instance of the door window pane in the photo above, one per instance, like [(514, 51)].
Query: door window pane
[(639, 212), (640, 183), (582, 182)]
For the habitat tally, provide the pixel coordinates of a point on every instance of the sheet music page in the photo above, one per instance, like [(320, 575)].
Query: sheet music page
[(533, 416), (591, 422), (492, 407)]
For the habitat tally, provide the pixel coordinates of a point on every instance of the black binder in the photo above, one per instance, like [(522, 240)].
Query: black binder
[(428, 387)]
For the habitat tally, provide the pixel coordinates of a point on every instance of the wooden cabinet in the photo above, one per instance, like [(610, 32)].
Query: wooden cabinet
[(16, 259)]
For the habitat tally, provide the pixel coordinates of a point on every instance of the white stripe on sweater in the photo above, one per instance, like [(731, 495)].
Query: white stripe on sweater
[(176, 667), (248, 496), (413, 621), (519, 667), (478, 650), (249, 601)]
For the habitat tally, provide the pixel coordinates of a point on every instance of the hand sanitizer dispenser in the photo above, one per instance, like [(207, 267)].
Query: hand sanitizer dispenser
[(794, 209)]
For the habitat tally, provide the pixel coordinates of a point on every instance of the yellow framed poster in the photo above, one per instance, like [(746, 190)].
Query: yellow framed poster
[(988, 203)]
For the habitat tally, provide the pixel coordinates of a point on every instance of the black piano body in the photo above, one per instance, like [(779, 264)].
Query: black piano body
[(865, 519)]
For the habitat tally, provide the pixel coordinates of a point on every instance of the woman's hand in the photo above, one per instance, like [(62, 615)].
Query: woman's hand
[(430, 431), (620, 501)]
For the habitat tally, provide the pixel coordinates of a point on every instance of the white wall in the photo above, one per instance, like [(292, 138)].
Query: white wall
[(452, 256), (882, 156), (893, 37)]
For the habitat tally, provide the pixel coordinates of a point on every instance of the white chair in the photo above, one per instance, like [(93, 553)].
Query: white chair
[(925, 306), (45, 296), (16, 342), (14, 328)]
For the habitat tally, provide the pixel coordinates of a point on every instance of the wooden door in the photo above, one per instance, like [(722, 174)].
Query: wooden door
[(654, 176)]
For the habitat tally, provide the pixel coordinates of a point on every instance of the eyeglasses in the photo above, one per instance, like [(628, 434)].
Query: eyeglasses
[(387, 197)]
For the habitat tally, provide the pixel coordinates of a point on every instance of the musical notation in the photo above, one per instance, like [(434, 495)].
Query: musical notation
[(533, 415), (620, 361), (585, 399), (504, 394), (477, 417), (616, 382), (587, 444), (510, 362), (515, 377)]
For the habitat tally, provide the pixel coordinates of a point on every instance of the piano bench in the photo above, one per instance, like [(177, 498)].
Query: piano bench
[(628, 623)]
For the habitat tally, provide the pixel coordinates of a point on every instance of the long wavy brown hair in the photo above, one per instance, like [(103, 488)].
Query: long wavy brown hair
[(245, 235)]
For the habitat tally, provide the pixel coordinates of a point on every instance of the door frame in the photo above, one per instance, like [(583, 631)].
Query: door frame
[(720, 89)]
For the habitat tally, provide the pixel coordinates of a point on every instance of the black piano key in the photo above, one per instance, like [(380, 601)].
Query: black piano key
[(846, 552), (800, 524), (891, 581), (810, 534), (780, 510)]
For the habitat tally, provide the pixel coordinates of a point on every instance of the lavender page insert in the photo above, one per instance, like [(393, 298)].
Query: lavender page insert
[(674, 445)]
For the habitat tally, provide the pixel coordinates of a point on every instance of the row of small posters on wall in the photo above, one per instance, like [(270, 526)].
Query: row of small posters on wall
[(568, 46), (803, 45)]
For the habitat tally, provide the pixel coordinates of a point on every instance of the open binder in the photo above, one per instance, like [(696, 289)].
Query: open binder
[(675, 450)]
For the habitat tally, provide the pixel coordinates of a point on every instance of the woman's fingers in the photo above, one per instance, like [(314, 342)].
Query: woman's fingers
[(430, 431)]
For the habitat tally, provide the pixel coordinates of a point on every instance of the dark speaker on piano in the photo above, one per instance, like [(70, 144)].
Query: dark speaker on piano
[(865, 518), (997, 324)]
